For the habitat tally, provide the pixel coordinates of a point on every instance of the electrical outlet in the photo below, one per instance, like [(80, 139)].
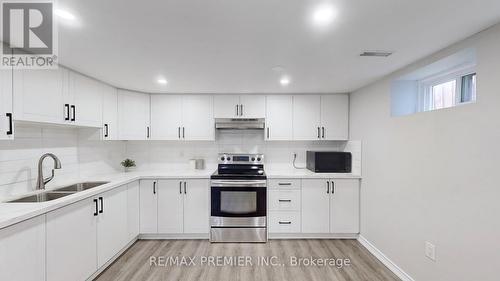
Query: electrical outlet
[(430, 251)]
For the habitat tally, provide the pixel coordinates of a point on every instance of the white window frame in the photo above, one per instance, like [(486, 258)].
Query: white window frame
[(425, 86)]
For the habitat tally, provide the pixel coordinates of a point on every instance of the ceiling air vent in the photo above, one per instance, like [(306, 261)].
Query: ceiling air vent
[(376, 54)]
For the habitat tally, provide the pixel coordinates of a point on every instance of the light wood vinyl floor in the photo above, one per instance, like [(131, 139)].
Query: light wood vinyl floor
[(134, 264)]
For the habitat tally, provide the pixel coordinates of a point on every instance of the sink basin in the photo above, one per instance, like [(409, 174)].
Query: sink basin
[(80, 186), (41, 197)]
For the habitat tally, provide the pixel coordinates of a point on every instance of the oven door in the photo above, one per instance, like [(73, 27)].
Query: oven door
[(238, 203)]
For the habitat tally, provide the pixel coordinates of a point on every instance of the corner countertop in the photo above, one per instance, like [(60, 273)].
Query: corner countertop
[(12, 213)]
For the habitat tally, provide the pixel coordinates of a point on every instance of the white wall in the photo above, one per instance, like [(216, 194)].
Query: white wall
[(79, 157), (433, 176)]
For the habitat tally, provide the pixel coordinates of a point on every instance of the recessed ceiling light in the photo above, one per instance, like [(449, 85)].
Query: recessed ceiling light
[(162, 81), (284, 81), (64, 14), (323, 15), (375, 54)]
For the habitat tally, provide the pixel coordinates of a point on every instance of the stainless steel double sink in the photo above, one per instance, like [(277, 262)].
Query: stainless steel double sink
[(59, 192)]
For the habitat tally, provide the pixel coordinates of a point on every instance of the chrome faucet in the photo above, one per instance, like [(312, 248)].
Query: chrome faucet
[(40, 183)]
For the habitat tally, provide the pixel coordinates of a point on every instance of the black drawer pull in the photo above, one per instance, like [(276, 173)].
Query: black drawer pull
[(285, 183), (285, 200), (285, 222)]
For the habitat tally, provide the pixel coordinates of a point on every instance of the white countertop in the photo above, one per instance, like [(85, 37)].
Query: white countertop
[(12, 213)]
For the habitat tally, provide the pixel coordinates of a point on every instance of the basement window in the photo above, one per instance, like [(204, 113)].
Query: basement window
[(448, 90)]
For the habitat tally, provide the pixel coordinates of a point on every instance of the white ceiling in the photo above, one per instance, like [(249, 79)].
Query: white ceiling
[(245, 46)]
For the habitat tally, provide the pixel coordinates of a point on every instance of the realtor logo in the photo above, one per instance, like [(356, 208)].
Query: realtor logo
[(28, 35)]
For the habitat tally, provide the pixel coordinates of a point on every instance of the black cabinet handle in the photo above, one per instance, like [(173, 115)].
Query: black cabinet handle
[(179, 131), (185, 188), (285, 222), (180, 187), (183, 131), (102, 205), (241, 110), (147, 132), (333, 187), (106, 130), (237, 111), (318, 134), (323, 132), (154, 187), (285, 183), (66, 117), (284, 200), (267, 132), (9, 115), (95, 212), (327, 187), (73, 108)]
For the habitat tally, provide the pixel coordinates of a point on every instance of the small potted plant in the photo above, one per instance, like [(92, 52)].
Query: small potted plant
[(128, 164)]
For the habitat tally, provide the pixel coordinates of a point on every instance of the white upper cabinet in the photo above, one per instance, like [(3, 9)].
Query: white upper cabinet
[(175, 117), (306, 117), (198, 117), (6, 116), (133, 115), (279, 116), (245, 106), (85, 97), (253, 106), (39, 96), (166, 117), (109, 113), (226, 106), (335, 117)]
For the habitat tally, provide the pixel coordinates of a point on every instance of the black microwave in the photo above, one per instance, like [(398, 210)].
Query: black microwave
[(329, 161)]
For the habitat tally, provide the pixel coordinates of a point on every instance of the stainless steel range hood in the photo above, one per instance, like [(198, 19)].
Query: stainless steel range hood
[(239, 123)]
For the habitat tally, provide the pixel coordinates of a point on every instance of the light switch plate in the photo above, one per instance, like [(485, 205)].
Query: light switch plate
[(430, 251)]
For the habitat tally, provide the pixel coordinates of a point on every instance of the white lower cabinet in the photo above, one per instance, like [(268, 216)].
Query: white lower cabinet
[(174, 206), (112, 224), (284, 222), (330, 206), (133, 210), (82, 237), (22, 251), (72, 242)]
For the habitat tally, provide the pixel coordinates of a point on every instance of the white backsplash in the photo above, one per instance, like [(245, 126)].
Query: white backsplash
[(81, 157)]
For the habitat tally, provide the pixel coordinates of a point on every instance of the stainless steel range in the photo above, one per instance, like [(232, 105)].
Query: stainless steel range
[(238, 196)]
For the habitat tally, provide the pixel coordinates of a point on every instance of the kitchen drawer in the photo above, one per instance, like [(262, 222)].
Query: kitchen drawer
[(284, 200), (284, 222), (284, 183)]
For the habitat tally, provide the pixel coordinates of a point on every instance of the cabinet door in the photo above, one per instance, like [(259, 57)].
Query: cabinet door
[(225, 106), (279, 116), (196, 205), (133, 115), (253, 106), (112, 228), (315, 206), (109, 113), (6, 122), (22, 251), (344, 206), (72, 242), (306, 117), (170, 193), (87, 99), (198, 117), (133, 210), (335, 117), (166, 117), (39, 95), (148, 204)]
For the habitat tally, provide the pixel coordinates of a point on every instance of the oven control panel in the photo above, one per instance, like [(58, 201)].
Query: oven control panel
[(229, 158)]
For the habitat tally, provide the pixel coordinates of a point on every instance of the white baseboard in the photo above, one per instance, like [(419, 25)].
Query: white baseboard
[(311, 236), (173, 236), (384, 259)]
